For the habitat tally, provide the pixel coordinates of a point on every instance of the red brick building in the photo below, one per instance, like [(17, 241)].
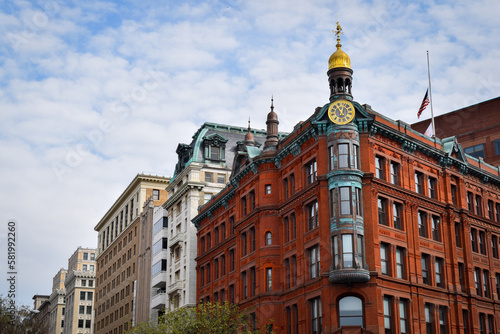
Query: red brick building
[(355, 223), (476, 127)]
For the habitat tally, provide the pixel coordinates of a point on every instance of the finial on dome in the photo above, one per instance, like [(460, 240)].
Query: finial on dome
[(339, 58), (272, 129), (338, 33)]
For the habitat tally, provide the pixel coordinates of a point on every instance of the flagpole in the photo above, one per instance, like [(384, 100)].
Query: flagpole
[(430, 95)]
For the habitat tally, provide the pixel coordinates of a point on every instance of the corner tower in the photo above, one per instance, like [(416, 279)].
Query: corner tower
[(344, 176)]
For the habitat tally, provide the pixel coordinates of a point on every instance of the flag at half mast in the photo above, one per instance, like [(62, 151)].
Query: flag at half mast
[(424, 104)]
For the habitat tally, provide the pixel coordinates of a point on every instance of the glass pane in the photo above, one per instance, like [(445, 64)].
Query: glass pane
[(347, 243)]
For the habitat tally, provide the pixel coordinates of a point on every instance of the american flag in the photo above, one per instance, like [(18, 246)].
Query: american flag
[(424, 104)]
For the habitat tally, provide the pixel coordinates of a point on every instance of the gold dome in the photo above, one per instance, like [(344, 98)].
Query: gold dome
[(339, 58)]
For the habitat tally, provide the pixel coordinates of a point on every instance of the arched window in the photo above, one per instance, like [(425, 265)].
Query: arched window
[(350, 311), (269, 238)]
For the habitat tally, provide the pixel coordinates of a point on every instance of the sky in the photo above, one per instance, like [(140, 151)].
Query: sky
[(94, 92)]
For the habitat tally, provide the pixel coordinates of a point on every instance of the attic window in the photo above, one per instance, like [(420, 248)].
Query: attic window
[(215, 147)]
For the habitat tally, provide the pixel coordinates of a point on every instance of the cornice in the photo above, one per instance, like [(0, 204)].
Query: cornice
[(410, 145), (181, 191)]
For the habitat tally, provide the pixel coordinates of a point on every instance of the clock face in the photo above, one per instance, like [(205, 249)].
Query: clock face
[(341, 112)]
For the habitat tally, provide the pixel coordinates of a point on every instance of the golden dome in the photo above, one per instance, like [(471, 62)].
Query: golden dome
[(339, 58)]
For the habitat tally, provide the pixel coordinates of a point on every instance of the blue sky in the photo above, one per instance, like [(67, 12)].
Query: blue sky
[(94, 92)]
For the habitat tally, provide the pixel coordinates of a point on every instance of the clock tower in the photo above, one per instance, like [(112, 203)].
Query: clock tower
[(344, 177)]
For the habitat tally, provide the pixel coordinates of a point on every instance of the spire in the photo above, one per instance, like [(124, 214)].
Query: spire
[(249, 139), (272, 129)]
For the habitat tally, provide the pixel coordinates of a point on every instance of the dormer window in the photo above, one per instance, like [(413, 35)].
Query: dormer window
[(215, 147)]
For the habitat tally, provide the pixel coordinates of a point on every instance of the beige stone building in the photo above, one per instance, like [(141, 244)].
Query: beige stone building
[(119, 235), (57, 303), (80, 286)]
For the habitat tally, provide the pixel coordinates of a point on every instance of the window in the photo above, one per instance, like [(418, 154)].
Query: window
[(438, 265), (286, 225), (231, 259), (85, 256), (81, 309), (254, 281), (269, 279), (442, 320), (84, 267), (458, 234), (429, 318), (292, 184), (331, 157), (432, 182), (285, 188), (312, 215), (396, 211), (497, 209), (403, 316), (347, 251), (356, 157), (92, 256), (244, 244), (496, 143), (312, 171), (400, 265), (478, 203), (82, 295), (316, 325), (379, 167), (343, 155), (491, 214), (394, 173), (350, 311), (461, 276), (497, 284), (454, 194), (221, 178), (482, 242), (473, 239), (244, 205), (87, 323), (156, 195), (436, 228), (470, 199), (477, 151), (267, 189), (494, 246), (418, 182), (491, 324), (287, 273), (382, 211), (80, 323), (384, 258), (90, 295), (477, 281), (314, 262), (268, 238), (252, 239), (209, 177), (486, 283), (425, 269), (244, 280), (252, 200), (422, 225), (345, 201), (387, 314), (358, 204), (84, 282)]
